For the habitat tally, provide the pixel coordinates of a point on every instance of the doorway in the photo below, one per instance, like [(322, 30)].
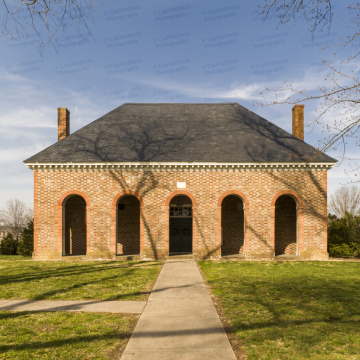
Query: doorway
[(74, 226), (180, 229), (128, 226), (286, 225), (232, 225)]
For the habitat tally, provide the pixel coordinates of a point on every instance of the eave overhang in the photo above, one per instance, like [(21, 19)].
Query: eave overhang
[(181, 166)]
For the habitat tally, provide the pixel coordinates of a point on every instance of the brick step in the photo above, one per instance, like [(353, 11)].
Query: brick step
[(180, 256), (285, 257), (234, 256), (74, 257), (128, 257)]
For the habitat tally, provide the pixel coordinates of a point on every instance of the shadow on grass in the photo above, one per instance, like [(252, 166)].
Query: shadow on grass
[(26, 277), (63, 342), (80, 285), (303, 305), (63, 271), (86, 339)]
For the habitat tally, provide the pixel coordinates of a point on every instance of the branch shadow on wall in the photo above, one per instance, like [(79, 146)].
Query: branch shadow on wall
[(290, 151), (309, 202), (141, 142)]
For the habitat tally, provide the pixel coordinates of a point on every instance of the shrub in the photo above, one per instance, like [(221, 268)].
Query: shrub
[(344, 235), (8, 245), (26, 245), (342, 250)]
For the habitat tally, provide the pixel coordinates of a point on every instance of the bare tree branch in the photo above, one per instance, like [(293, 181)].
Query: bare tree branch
[(16, 216), (49, 20), (318, 13), (341, 97), (337, 97), (345, 199)]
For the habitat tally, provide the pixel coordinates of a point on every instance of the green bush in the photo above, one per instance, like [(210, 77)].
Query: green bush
[(344, 235), (342, 250), (26, 245), (8, 245)]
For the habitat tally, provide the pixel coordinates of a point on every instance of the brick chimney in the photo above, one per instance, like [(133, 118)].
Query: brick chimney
[(298, 121), (63, 123)]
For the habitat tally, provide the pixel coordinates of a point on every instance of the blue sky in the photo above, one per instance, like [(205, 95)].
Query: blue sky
[(156, 51)]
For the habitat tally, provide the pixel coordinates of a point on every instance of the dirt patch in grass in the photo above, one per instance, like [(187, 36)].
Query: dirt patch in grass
[(290, 310)]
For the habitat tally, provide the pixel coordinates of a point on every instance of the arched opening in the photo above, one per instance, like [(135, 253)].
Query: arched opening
[(180, 226), (74, 225), (232, 225), (286, 225), (128, 226)]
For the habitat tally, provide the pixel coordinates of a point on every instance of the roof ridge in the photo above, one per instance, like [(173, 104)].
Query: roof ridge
[(208, 104)]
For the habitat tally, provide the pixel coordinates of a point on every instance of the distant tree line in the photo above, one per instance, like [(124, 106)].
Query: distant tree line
[(16, 220), (344, 222)]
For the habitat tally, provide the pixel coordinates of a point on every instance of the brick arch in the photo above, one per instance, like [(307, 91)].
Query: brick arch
[(127, 192), (233, 192), (113, 218), (60, 218), (167, 218), (181, 192), (74, 192), (246, 210), (300, 203), (300, 218)]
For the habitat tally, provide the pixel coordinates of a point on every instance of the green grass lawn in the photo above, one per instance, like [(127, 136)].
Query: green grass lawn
[(291, 310), (77, 280), (14, 257), (26, 335)]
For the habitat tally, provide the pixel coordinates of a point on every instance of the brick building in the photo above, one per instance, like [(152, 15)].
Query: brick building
[(213, 180)]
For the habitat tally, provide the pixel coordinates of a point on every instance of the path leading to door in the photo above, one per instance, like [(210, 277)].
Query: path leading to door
[(179, 320)]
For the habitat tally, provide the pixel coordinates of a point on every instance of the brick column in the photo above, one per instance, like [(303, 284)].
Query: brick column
[(36, 209), (298, 121), (63, 123)]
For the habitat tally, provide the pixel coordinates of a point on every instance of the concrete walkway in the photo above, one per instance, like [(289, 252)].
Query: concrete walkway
[(128, 307), (179, 320)]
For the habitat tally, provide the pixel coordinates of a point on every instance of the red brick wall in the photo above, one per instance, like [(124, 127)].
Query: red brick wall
[(205, 188), (128, 226), (285, 226), (232, 223), (75, 226)]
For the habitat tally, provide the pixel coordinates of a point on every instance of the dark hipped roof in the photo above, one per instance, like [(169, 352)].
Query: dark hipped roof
[(180, 133)]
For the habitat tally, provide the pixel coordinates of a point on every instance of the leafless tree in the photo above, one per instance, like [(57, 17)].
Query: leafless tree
[(16, 216), (342, 94), (345, 198), (318, 13), (47, 20)]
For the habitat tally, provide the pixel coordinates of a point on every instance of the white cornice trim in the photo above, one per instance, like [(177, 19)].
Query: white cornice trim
[(180, 166)]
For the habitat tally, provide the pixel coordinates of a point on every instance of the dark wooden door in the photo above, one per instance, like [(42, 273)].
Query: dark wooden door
[(186, 235), (180, 235)]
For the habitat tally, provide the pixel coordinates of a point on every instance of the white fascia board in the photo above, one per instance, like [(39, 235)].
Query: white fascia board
[(151, 163), (158, 166)]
